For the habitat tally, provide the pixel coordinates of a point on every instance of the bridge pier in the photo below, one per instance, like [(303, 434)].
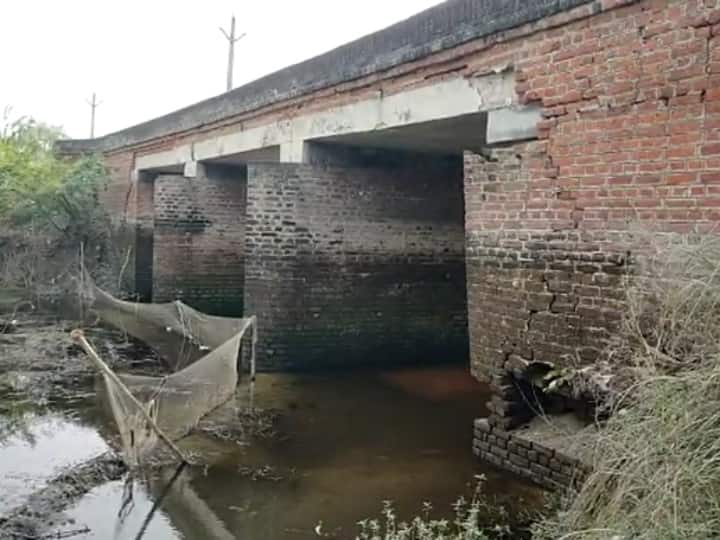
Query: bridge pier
[(358, 264), (190, 241)]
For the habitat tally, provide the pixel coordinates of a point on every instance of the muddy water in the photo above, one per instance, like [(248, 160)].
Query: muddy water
[(343, 443)]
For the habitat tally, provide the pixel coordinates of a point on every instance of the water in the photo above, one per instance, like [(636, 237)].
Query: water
[(43, 447), (347, 441)]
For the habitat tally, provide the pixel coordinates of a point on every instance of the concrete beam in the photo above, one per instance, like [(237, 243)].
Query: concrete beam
[(292, 152), (193, 169), (442, 100), (513, 124), (167, 158)]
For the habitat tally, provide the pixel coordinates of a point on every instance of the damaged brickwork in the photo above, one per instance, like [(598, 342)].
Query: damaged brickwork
[(515, 401), (537, 462), (542, 295), (630, 136)]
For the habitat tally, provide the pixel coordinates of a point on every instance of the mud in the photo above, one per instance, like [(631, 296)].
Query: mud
[(38, 511)]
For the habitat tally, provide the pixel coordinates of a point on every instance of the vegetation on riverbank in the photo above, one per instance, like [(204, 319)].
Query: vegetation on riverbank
[(657, 465), (470, 522), (48, 208)]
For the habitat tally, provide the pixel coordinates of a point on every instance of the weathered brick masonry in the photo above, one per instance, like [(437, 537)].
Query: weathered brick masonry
[(631, 135), (543, 295), (199, 239), (532, 460), (356, 265)]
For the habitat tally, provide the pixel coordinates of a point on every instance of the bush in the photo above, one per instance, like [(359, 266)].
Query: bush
[(41, 192), (49, 207)]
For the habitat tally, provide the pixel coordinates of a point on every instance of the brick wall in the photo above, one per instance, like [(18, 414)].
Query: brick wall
[(545, 295), (530, 459), (356, 265), (631, 134), (630, 140), (199, 237), (118, 197)]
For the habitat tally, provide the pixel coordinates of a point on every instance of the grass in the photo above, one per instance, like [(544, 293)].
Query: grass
[(657, 464), (657, 472)]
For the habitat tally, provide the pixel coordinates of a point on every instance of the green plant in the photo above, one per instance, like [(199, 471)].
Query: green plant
[(466, 525), (49, 207), (40, 190)]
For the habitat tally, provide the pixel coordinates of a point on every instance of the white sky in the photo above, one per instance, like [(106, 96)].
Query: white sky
[(146, 58)]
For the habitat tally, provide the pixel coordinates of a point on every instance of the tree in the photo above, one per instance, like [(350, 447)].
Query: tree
[(39, 189)]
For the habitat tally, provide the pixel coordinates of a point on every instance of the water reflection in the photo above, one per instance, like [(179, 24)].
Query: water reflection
[(42, 445), (100, 509)]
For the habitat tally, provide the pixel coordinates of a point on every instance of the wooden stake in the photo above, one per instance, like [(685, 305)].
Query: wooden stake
[(79, 337)]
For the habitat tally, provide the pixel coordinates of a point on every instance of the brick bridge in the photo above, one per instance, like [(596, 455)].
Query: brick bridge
[(474, 169)]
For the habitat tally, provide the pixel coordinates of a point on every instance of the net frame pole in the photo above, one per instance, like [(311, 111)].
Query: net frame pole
[(78, 336), (252, 348)]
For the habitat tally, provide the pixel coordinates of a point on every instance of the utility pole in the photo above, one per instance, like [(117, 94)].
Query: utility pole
[(232, 40), (94, 104)]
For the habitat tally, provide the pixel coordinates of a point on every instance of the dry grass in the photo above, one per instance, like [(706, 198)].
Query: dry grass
[(657, 465), (41, 265), (673, 318), (657, 472)]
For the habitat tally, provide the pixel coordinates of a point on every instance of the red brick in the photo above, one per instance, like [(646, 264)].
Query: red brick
[(710, 149)]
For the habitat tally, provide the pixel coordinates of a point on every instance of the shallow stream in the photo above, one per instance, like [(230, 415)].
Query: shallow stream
[(340, 445)]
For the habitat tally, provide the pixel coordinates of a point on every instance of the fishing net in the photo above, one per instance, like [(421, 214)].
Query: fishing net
[(203, 351)]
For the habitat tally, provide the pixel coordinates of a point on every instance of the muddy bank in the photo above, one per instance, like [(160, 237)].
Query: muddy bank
[(38, 361), (38, 512), (47, 389)]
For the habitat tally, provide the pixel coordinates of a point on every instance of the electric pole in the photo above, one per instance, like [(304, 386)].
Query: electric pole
[(94, 104), (232, 40)]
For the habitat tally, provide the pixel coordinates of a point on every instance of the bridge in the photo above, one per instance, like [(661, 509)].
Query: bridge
[(463, 183)]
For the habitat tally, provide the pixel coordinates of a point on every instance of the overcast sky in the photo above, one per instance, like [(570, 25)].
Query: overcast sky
[(145, 58)]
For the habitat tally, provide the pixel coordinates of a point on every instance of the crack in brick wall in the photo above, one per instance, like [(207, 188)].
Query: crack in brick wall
[(630, 136)]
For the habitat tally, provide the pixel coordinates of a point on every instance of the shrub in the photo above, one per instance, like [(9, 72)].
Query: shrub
[(38, 190), (49, 207)]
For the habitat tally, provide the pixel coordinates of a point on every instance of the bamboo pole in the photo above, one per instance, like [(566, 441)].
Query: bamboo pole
[(79, 337), (253, 345)]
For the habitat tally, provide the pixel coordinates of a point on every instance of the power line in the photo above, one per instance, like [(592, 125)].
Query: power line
[(232, 40)]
